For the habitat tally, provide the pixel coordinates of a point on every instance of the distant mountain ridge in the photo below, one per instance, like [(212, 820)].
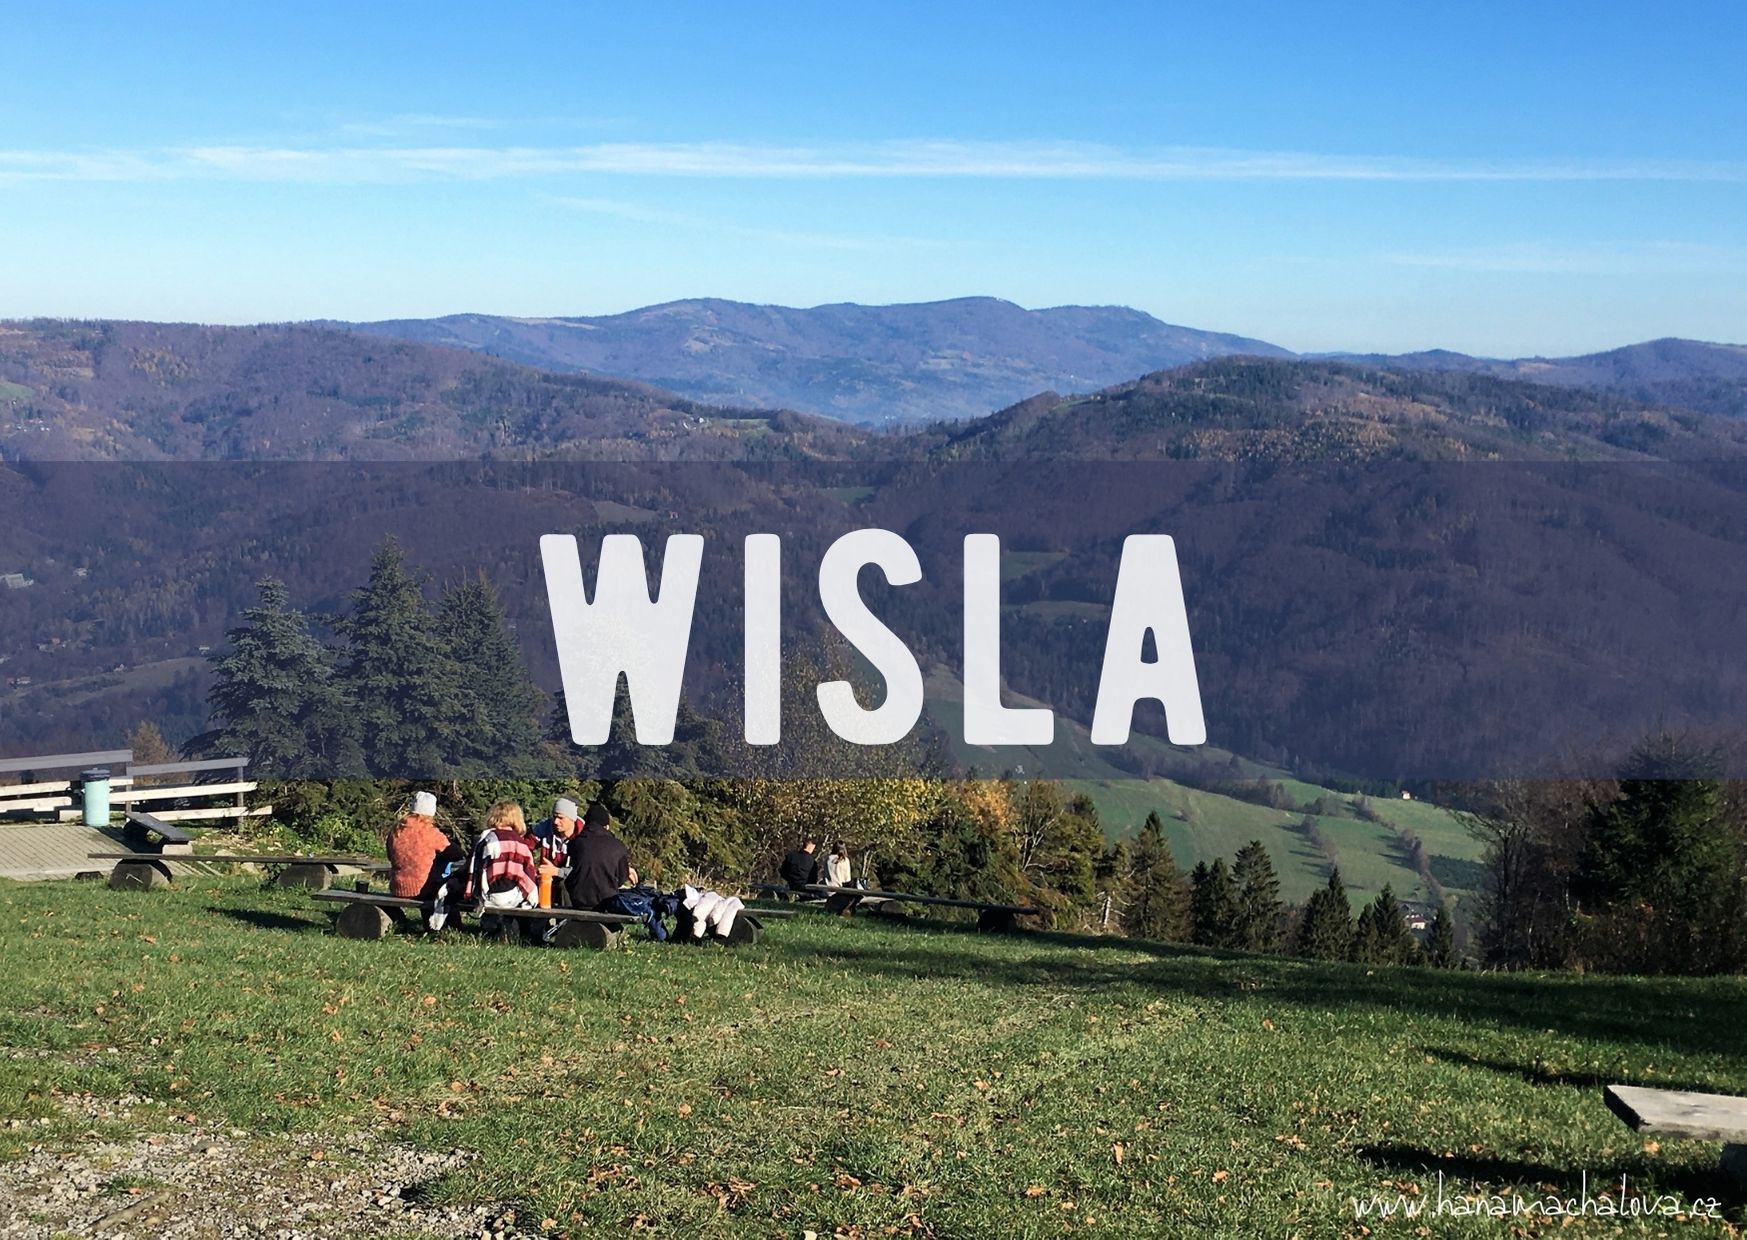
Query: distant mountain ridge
[(899, 364), (964, 358), (108, 390), (1693, 374)]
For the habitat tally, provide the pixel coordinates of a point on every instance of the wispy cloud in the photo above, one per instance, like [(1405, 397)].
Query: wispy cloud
[(415, 122), (1607, 258), (640, 214), (898, 159)]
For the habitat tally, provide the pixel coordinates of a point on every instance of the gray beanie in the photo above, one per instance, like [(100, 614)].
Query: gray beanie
[(564, 807), (425, 803)]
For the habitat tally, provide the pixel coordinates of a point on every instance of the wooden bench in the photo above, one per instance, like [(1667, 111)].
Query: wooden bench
[(1679, 1113), (292, 870), (1001, 918), (155, 842), (370, 915)]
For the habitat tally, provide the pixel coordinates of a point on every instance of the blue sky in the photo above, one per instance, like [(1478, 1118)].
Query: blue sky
[(1498, 178)]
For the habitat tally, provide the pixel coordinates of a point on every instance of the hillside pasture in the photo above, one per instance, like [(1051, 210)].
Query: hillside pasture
[(854, 1078)]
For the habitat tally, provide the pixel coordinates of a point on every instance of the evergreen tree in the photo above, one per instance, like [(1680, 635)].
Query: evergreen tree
[(1440, 951), (275, 698), (1383, 936), (1213, 907), (1258, 899), (1659, 880), (1367, 942), (498, 733), (1066, 858), (1326, 933), (1114, 875), (1158, 905), (404, 687)]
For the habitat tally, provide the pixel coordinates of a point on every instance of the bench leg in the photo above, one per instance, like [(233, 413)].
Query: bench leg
[(1735, 1162), (589, 934), (362, 921), (997, 921), (139, 876), (743, 933), (305, 874)]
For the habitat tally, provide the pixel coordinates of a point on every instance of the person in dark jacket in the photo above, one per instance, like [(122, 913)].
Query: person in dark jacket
[(600, 863), (801, 867)]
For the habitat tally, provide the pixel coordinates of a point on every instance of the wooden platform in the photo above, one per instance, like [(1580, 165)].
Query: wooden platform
[(33, 851)]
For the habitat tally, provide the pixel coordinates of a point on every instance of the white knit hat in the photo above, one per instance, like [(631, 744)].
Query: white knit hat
[(425, 803), (564, 807)]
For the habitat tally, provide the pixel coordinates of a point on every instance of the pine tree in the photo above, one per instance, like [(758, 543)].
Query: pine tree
[(499, 733), (1158, 906), (1367, 942), (275, 698), (1258, 899), (1213, 907), (1114, 874), (1440, 950), (1326, 933), (1661, 866), (1066, 857), (404, 686), (1383, 936)]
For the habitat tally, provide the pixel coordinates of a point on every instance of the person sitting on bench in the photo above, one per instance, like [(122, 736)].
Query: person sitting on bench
[(555, 835), (420, 854), (800, 869), (600, 863), (837, 866), (504, 874)]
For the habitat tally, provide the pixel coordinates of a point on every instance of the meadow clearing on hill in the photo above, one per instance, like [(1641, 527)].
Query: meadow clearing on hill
[(854, 1077)]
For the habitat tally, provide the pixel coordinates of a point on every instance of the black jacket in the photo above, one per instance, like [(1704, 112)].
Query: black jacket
[(800, 869), (599, 865)]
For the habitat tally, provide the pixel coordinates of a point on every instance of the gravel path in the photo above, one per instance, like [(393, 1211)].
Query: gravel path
[(204, 1184)]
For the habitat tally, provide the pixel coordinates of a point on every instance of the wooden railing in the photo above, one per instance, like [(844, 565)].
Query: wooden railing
[(63, 799)]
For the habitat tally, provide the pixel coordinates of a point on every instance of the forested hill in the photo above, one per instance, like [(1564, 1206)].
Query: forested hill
[(147, 391), (1253, 408), (1693, 374), (162, 391), (882, 365)]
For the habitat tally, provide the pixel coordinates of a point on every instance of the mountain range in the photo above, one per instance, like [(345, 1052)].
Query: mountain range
[(122, 391), (1314, 492), (949, 360), (877, 365)]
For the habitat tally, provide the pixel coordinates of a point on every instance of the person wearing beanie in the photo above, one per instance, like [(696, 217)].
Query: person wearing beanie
[(600, 863), (419, 854), (555, 835)]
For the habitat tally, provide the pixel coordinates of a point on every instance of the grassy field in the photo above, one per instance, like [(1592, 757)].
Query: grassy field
[(1204, 825), (856, 1077)]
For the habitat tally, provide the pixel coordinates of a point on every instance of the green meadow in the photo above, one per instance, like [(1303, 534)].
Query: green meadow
[(1203, 825), (861, 1078)]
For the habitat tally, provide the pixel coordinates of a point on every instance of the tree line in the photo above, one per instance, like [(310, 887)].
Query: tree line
[(1642, 873), (1238, 907)]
